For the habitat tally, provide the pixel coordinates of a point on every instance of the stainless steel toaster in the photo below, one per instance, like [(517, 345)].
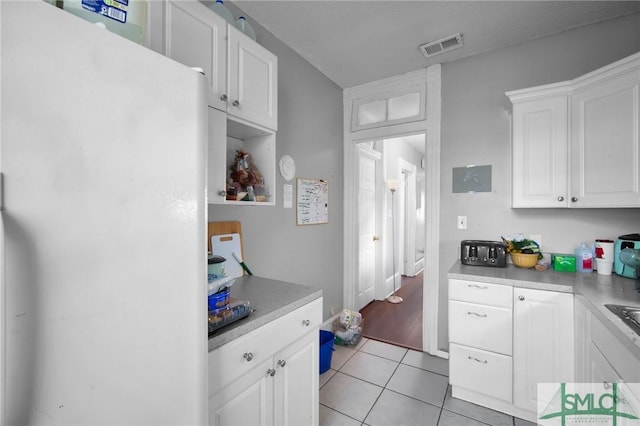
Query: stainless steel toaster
[(483, 253)]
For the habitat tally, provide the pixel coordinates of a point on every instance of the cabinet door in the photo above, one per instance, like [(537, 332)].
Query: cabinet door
[(581, 332), (253, 81), (217, 157), (246, 401), (296, 394), (543, 342), (605, 150), (539, 153), (195, 36), (599, 369)]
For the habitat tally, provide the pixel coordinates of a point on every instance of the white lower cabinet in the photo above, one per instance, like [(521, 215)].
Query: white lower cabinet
[(601, 358), (270, 375), (247, 401), (542, 343), (506, 340)]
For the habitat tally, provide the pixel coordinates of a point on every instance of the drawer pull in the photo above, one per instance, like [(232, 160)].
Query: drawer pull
[(477, 360), (282, 362), (248, 356), (481, 287), (477, 314), (306, 323), (521, 298), (271, 372)]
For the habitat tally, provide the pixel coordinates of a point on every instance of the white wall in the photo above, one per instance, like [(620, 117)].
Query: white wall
[(476, 130), (310, 130)]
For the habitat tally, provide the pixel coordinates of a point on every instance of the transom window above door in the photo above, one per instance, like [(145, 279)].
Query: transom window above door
[(390, 108)]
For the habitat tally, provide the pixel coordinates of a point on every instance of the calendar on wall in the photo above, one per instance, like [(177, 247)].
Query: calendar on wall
[(312, 201)]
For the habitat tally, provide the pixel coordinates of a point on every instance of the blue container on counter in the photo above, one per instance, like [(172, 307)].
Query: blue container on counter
[(219, 300)]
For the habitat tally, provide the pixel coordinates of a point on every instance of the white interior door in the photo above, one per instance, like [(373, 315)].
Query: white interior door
[(367, 220)]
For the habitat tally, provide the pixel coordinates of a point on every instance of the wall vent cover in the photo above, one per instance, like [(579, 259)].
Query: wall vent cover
[(440, 46)]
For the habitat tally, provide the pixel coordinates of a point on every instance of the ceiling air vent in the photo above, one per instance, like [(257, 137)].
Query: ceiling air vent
[(441, 46)]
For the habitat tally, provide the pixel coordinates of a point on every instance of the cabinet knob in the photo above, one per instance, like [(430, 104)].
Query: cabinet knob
[(271, 372), (223, 98), (521, 298), (574, 199), (561, 198), (282, 362), (376, 238), (222, 193), (236, 103), (248, 356), (306, 323)]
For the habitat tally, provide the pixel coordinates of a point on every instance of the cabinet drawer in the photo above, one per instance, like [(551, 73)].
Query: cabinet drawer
[(230, 362), (481, 326), (481, 371), (482, 293)]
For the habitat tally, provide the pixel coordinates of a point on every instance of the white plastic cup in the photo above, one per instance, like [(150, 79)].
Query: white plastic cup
[(604, 266), (604, 250)]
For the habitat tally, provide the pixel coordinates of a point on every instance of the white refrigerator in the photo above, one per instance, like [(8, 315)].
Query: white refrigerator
[(103, 316)]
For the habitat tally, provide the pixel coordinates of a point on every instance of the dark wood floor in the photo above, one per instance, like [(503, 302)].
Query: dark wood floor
[(400, 324)]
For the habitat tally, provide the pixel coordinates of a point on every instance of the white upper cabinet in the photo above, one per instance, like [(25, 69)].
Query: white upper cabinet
[(604, 140), (252, 81), (539, 152), (242, 75), (197, 37), (576, 143)]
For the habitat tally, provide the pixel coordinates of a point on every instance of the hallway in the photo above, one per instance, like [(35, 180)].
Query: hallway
[(399, 324)]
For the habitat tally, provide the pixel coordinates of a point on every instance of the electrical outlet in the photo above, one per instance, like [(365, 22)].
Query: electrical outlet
[(462, 222)]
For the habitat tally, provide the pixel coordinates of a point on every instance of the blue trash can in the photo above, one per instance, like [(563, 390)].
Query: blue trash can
[(326, 349)]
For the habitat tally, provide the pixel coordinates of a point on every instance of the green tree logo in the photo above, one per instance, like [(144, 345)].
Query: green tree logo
[(604, 407)]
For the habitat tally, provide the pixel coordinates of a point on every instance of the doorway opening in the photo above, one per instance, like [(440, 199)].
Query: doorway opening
[(395, 158), (360, 125)]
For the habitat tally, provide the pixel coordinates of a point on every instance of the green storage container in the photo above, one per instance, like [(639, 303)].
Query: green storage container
[(564, 262)]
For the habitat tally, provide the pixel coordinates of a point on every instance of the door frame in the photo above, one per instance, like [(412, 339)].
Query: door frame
[(431, 127)]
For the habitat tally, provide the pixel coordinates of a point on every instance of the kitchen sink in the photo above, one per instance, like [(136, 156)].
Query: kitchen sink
[(630, 315)]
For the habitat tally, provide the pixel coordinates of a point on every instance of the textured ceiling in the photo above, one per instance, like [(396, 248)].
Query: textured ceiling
[(354, 42)]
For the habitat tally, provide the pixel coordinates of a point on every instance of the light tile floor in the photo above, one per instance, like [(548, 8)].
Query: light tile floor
[(377, 384)]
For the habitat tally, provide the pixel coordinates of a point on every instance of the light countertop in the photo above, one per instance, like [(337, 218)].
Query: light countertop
[(592, 289), (270, 299)]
